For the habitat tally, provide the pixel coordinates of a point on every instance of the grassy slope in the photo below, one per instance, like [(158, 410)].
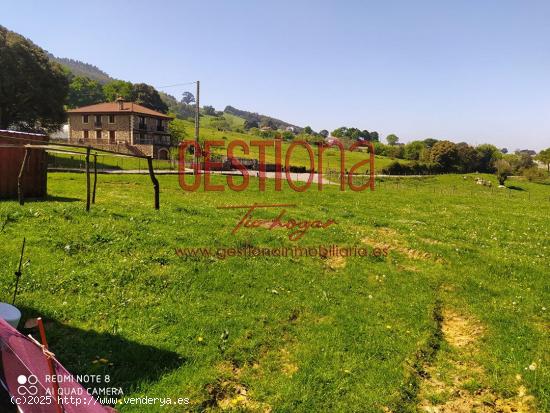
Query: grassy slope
[(299, 156), (304, 334)]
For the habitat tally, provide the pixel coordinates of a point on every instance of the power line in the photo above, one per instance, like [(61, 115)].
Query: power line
[(177, 84)]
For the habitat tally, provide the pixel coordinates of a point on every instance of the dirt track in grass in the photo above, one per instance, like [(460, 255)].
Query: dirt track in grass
[(454, 382)]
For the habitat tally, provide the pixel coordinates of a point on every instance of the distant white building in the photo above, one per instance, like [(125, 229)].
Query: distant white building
[(332, 139)]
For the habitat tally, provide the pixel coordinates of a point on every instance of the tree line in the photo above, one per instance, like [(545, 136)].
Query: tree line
[(35, 91), (84, 91), (432, 156)]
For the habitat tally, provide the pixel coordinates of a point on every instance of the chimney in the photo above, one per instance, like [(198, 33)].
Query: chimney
[(120, 102)]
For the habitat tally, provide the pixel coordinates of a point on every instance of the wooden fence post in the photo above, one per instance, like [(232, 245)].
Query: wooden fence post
[(155, 181), (20, 189), (95, 178), (88, 178)]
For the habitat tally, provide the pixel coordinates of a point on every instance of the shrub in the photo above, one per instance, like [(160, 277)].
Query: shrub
[(413, 168), (535, 174), (503, 170)]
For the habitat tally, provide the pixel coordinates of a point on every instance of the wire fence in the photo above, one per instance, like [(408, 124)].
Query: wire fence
[(415, 184), (108, 162), (468, 189)]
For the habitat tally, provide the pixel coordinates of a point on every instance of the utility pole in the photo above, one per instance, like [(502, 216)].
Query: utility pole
[(197, 120)]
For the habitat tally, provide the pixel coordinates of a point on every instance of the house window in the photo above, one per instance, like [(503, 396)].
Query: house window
[(111, 118), (98, 134), (85, 134), (84, 118), (142, 124), (112, 135)]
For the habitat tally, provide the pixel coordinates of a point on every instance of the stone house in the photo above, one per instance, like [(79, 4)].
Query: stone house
[(121, 125)]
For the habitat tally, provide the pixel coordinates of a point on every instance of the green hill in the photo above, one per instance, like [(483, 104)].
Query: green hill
[(260, 119), (79, 68)]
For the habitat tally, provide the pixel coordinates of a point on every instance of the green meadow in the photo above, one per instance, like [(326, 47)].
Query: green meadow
[(464, 283)]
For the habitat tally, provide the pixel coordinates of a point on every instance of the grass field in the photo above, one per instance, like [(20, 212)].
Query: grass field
[(457, 312)]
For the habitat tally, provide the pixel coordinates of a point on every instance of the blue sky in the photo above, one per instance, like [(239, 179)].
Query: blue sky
[(474, 71)]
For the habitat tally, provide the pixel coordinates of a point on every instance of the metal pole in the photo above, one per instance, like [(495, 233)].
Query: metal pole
[(197, 121)]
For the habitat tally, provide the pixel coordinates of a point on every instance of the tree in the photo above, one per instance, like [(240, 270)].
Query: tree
[(308, 130), (373, 136), (395, 151), (503, 170), (340, 132), (544, 157), (324, 133), (33, 89), (504, 150), (268, 123), (116, 88), (468, 159), (487, 155), (249, 124), (392, 139), (187, 98), (220, 123), (287, 135), (412, 150), (445, 153), (430, 142), (148, 96), (534, 174), (380, 148), (525, 161), (209, 110), (177, 131), (84, 91), (355, 134)]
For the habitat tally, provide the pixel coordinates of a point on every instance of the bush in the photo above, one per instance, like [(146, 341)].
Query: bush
[(535, 174), (503, 170), (413, 168)]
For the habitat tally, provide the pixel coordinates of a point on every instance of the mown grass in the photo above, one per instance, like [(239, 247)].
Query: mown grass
[(299, 334)]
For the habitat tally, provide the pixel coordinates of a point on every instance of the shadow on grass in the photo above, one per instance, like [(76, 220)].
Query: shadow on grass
[(83, 352), (78, 164), (515, 188), (55, 198), (48, 198)]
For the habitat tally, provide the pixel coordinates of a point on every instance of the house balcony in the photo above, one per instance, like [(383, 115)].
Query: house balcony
[(161, 129), (142, 126), (92, 141), (157, 140)]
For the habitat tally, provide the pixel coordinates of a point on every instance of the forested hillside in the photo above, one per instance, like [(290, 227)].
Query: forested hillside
[(79, 68)]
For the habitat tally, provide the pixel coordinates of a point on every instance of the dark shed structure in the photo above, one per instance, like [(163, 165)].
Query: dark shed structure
[(12, 153)]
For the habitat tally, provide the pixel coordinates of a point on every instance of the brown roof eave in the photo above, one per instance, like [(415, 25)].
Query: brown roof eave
[(92, 112)]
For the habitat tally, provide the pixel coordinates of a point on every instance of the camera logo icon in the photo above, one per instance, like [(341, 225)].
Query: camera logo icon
[(27, 385)]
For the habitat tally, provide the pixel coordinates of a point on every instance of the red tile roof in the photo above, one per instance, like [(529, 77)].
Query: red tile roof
[(113, 107)]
